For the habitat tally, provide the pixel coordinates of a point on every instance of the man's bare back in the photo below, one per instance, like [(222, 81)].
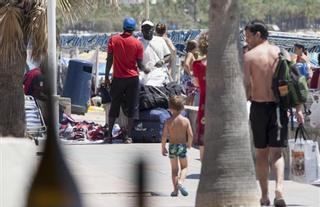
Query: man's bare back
[(179, 130), (259, 65)]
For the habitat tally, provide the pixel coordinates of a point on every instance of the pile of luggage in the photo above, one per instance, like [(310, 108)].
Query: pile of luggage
[(153, 105)]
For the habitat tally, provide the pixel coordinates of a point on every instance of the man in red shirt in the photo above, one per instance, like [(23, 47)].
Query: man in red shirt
[(125, 53)]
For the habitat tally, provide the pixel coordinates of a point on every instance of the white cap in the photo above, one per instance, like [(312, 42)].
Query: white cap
[(147, 22)]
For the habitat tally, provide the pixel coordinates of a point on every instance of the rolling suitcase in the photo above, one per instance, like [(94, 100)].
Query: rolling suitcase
[(148, 128)]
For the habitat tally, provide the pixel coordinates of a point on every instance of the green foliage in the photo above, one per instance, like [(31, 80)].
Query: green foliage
[(104, 18), (193, 14), (287, 14)]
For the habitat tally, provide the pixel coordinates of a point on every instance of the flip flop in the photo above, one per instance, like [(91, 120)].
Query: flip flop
[(279, 202), (174, 194), (183, 190)]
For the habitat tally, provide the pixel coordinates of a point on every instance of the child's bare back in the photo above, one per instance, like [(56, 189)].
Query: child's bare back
[(179, 130)]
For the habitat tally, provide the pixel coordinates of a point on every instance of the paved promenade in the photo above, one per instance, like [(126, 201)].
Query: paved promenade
[(106, 175)]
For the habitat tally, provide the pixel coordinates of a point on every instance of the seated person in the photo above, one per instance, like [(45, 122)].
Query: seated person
[(33, 85)]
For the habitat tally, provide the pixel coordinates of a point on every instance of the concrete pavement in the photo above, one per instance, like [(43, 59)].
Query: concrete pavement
[(106, 177), (106, 174)]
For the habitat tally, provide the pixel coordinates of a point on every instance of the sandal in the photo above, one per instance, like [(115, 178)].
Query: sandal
[(265, 203), (174, 194), (279, 202)]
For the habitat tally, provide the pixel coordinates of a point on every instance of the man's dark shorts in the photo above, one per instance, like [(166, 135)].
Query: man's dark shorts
[(125, 92), (264, 124)]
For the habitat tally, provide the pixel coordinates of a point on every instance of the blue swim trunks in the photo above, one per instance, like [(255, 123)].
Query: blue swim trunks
[(177, 150)]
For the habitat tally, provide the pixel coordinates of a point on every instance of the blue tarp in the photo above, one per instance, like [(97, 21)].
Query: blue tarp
[(287, 41), (92, 41), (179, 38)]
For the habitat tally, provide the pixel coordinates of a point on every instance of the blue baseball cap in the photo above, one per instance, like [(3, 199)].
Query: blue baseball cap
[(129, 23)]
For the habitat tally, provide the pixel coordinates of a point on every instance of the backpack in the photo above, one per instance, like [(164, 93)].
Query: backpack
[(289, 86), (173, 89), (152, 97), (158, 96)]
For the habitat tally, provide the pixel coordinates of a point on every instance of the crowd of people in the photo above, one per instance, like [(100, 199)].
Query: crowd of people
[(132, 58), (154, 51)]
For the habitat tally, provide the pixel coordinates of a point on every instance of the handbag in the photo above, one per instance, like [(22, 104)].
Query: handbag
[(105, 94), (304, 158)]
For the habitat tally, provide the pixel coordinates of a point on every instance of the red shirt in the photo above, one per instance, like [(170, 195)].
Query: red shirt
[(126, 50)]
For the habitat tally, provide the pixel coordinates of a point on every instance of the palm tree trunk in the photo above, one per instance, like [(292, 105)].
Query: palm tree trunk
[(227, 174), (12, 122)]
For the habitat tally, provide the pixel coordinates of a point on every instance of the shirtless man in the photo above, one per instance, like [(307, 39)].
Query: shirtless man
[(179, 132), (259, 65)]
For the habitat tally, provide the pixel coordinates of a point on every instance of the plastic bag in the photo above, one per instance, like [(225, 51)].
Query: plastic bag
[(304, 158), (315, 114), (156, 77)]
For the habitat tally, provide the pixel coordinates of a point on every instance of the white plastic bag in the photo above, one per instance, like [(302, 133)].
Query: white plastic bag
[(315, 114), (304, 159)]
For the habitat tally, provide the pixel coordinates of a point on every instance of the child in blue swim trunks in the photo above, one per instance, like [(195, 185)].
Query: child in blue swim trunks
[(179, 132)]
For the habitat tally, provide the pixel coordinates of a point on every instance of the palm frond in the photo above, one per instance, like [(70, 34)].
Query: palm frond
[(72, 9), (3, 3), (36, 29), (11, 34)]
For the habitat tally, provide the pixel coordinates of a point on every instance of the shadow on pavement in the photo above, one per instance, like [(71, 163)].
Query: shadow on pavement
[(193, 176)]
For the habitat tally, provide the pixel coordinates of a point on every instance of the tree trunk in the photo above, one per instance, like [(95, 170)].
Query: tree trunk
[(12, 122), (227, 174)]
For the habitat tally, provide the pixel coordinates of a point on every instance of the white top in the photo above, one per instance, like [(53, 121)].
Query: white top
[(154, 50)]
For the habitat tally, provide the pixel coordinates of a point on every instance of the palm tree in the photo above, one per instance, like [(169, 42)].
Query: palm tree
[(227, 174), (23, 23)]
